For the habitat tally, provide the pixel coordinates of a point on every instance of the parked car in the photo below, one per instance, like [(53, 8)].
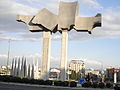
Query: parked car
[(117, 86)]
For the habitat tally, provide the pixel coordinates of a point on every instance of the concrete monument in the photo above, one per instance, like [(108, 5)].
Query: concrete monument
[(21, 69), (66, 20)]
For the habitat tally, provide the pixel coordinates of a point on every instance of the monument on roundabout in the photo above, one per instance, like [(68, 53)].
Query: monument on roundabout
[(48, 23)]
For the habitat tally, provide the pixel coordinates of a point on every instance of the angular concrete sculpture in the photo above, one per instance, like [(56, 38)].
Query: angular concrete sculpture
[(67, 19), (25, 71)]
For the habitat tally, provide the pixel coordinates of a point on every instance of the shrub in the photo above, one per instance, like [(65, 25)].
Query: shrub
[(73, 84), (48, 82), (86, 84), (6, 78), (15, 79), (34, 81), (41, 82), (101, 85), (25, 80), (58, 83), (65, 83), (95, 85), (109, 85)]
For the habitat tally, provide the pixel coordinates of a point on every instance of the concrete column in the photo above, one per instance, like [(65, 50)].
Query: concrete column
[(22, 68), (12, 69), (115, 77), (63, 62), (18, 69), (29, 71), (46, 55), (32, 72), (36, 70), (15, 68), (25, 68)]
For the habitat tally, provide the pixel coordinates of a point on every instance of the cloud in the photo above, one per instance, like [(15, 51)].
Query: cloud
[(3, 56), (3, 37), (111, 19), (9, 9), (110, 27), (53, 6), (92, 64), (93, 4)]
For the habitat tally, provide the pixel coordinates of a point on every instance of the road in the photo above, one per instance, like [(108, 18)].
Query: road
[(13, 86)]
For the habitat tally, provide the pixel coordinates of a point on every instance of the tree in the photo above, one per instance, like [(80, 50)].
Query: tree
[(75, 75)]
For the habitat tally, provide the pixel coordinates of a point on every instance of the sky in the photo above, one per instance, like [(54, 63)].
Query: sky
[(101, 48)]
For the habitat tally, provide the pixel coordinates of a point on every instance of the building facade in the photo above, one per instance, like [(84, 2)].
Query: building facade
[(110, 71), (77, 66)]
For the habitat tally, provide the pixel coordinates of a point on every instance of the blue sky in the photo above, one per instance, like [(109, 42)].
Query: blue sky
[(101, 47)]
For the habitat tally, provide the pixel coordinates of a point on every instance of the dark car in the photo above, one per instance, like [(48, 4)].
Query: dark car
[(117, 86)]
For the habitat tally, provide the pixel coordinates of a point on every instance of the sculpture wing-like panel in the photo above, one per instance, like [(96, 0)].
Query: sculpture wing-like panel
[(87, 23), (27, 20), (67, 13), (46, 19), (66, 19)]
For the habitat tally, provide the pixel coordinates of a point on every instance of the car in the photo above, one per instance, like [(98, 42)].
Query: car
[(117, 86)]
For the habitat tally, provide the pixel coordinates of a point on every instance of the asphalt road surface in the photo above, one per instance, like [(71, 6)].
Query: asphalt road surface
[(12, 86)]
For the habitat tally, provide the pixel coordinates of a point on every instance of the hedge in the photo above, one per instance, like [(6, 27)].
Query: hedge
[(39, 82)]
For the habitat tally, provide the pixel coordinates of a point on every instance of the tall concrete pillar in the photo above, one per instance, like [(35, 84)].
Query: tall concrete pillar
[(63, 62), (46, 55)]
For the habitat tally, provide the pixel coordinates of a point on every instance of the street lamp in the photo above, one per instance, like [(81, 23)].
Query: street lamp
[(8, 56)]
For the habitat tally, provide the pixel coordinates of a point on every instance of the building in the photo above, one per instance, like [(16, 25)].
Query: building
[(76, 69), (92, 71), (77, 66), (112, 73), (4, 70)]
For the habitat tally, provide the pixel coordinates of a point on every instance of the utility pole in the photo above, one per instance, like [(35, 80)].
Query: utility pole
[(8, 57)]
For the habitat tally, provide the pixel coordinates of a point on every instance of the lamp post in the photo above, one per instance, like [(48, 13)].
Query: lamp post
[(8, 57)]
